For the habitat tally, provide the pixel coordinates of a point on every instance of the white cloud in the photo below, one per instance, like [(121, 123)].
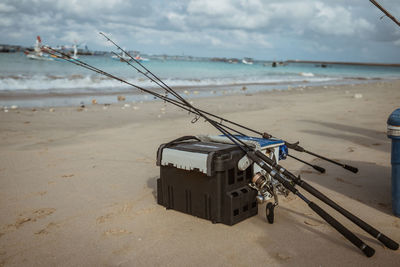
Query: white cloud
[(6, 8), (223, 26), (336, 20)]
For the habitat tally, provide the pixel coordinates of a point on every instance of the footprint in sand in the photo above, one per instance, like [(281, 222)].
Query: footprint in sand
[(31, 217), (351, 149), (104, 218), (281, 256), (47, 229)]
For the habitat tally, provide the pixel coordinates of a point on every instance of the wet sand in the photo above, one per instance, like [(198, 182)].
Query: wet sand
[(78, 185)]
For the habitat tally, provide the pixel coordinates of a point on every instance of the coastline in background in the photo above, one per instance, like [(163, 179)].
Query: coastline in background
[(32, 83)]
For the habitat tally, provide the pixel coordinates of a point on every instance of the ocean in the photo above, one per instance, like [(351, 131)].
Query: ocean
[(35, 83)]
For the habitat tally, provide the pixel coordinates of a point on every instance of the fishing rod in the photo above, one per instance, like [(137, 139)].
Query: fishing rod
[(389, 243), (318, 168), (273, 173), (160, 83), (368, 251), (369, 229), (375, 233)]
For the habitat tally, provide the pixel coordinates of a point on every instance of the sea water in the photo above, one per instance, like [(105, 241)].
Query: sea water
[(26, 82)]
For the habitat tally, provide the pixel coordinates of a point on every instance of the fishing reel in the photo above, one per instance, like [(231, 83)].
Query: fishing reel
[(267, 188)]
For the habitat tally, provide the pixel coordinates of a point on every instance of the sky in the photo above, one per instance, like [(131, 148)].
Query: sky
[(332, 30)]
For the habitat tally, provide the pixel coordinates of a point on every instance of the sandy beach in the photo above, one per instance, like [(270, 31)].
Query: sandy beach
[(78, 185)]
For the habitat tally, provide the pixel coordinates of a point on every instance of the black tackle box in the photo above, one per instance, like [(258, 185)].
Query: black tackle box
[(202, 179)]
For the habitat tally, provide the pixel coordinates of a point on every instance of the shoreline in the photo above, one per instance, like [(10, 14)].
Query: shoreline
[(31, 99)]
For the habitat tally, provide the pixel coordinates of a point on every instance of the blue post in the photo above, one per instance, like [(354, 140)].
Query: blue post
[(394, 134)]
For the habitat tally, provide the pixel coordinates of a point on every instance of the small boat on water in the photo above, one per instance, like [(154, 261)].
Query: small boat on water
[(38, 52), (141, 59), (247, 61), (125, 57)]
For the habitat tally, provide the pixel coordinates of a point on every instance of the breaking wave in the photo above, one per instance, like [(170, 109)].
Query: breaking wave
[(78, 83)]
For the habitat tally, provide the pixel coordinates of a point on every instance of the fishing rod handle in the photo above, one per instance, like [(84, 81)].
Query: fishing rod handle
[(363, 225), (296, 147), (318, 168), (367, 250), (350, 168), (345, 166)]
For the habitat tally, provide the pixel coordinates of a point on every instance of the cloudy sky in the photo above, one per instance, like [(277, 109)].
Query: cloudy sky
[(339, 30)]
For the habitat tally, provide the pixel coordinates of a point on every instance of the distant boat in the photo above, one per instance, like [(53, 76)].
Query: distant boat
[(40, 53), (141, 59), (75, 55), (247, 61), (125, 57), (122, 57), (37, 53)]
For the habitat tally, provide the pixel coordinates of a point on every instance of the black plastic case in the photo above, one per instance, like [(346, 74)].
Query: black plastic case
[(221, 195)]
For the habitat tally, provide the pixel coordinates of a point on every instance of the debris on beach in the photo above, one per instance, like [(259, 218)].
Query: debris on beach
[(52, 110), (14, 107), (135, 107), (244, 88), (195, 92), (94, 101), (121, 98), (126, 106), (82, 105), (186, 92), (358, 96)]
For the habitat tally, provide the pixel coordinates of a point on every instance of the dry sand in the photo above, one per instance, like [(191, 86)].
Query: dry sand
[(78, 186)]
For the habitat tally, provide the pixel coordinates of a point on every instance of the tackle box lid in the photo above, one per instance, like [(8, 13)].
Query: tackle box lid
[(192, 155)]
